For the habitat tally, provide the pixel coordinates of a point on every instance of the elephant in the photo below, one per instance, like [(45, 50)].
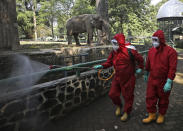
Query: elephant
[(86, 23)]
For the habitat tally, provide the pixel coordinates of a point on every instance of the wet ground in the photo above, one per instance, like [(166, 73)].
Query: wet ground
[(99, 115)]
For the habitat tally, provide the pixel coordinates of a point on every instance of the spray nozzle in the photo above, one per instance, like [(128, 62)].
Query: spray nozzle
[(53, 66)]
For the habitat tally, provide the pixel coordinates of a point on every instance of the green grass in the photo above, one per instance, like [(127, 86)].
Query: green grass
[(179, 50), (41, 42), (46, 43), (135, 43)]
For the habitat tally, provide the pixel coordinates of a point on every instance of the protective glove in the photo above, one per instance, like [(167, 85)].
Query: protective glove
[(167, 86), (138, 71), (146, 75), (98, 67)]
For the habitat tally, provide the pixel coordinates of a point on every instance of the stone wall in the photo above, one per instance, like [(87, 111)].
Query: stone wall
[(25, 109)]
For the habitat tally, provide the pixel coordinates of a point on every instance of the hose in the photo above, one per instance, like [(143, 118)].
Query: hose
[(99, 72)]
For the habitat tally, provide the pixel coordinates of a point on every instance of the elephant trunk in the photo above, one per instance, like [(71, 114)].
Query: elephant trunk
[(106, 30)]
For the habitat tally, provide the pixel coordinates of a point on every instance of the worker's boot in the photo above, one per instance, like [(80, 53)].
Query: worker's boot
[(118, 111), (150, 118), (160, 119), (124, 117)]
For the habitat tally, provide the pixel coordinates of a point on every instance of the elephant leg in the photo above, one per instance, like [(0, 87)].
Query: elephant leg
[(90, 38), (76, 39), (69, 37)]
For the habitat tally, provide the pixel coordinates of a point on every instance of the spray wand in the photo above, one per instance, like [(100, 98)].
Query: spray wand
[(99, 72), (58, 66)]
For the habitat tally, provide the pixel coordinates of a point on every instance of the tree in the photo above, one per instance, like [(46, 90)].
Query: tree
[(132, 17), (34, 18), (47, 14), (54, 11), (27, 19), (8, 25), (82, 7), (102, 10), (24, 19), (64, 12)]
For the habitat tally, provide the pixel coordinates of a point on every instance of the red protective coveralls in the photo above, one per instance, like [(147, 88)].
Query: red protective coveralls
[(124, 78), (161, 63)]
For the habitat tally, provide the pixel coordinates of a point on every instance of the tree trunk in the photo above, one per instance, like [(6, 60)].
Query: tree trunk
[(34, 19), (8, 25), (52, 28), (102, 10), (121, 27), (52, 19)]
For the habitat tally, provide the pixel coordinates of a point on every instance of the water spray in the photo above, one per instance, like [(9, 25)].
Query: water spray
[(91, 68)]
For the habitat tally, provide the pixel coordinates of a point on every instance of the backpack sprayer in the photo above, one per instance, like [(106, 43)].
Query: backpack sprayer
[(99, 71)]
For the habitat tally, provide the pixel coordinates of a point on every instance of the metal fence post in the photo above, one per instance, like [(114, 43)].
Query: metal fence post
[(77, 72)]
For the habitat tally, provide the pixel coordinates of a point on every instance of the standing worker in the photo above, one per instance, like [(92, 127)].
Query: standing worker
[(160, 72), (123, 58)]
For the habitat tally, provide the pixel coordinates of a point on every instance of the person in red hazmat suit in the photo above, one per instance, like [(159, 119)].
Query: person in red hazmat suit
[(124, 78), (160, 71)]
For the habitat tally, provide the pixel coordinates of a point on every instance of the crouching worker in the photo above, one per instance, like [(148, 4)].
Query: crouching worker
[(160, 71), (123, 59)]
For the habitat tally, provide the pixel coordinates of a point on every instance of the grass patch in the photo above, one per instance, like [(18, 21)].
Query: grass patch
[(179, 49), (45, 44), (41, 42), (134, 43)]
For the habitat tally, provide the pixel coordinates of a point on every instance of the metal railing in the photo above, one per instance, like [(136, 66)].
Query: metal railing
[(76, 68)]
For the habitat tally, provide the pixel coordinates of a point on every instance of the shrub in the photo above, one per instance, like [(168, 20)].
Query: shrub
[(179, 44)]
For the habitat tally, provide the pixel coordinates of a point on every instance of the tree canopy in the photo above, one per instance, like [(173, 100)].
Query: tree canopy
[(132, 17)]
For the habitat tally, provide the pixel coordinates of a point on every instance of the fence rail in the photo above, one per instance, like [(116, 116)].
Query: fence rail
[(75, 67)]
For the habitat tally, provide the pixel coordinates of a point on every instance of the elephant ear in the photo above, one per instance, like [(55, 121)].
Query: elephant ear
[(95, 20), (92, 21), (98, 19)]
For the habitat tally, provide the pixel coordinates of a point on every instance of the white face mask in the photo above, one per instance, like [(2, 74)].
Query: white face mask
[(115, 48), (155, 44), (155, 41), (115, 45)]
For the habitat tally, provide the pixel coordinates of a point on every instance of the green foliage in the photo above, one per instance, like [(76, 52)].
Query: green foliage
[(83, 7), (43, 31), (179, 44), (132, 17), (24, 19), (45, 13), (92, 2), (64, 12), (55, 11)]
